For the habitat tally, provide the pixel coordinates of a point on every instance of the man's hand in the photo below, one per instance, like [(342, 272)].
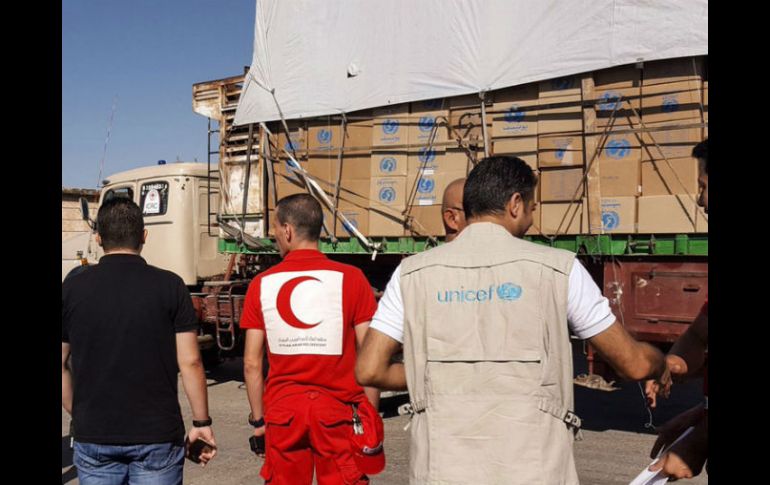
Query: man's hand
[(260, 433), (685, 458), (207, 434), (660, 386)]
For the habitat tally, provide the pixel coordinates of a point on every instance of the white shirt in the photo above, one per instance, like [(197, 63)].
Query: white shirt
[(588, 311)]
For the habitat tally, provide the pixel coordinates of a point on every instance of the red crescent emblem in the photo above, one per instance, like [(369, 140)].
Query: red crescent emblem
[(283, 303)]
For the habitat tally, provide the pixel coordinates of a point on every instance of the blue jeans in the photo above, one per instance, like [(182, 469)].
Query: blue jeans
[(153, 464)]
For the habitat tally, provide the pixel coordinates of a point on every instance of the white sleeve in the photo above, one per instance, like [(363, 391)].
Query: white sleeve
[(389, 318), (588, 311)]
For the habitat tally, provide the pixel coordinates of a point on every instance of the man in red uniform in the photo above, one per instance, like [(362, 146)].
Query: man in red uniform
[(312, 313)]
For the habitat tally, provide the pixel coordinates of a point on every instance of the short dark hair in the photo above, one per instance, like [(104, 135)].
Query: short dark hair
[(303, 212), (120, 224), (701, 151), (492, 183)]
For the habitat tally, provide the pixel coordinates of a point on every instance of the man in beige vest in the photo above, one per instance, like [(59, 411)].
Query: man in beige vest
[(487, 356), (452, 213)]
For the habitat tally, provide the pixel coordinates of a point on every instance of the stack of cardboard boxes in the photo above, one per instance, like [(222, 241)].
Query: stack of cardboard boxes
[(398, 160)]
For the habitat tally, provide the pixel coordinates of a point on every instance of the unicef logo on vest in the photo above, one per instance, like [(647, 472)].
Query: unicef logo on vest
[(387, 194), (618, 149), (389, 127), (426, 155), (509, 292), (324, 136), (670, 104), (426, 186), (611, 100), (610, 220), (505, 292), (513, 115), (388, 164), (426, 123)]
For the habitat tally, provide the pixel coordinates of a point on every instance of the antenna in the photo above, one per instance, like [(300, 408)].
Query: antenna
[(106, 141)]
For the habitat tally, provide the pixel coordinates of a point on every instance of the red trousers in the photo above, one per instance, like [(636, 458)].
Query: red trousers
[(305, 431)]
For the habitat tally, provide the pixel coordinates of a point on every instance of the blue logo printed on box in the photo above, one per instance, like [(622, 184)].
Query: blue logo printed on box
[(389, 127), (426, 186), (292, 165), (324, 136), (560, 153), (513, 115), (562, 83), (610, 220), (387, 194), (670, 104), (291, 145), (618, 149), (426, 123), (388, 164), (611, 100), (426, 155)]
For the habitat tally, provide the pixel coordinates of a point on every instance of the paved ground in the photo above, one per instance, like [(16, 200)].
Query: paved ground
[(614, 450)]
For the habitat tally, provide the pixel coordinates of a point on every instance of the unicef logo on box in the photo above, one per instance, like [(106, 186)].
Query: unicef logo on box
[(426, 123), (561, 83), (426, 186), (610, 220), (389, 127), (324, 136), (610, 101), (618, 149), (388, 164), (560, 153), (426, 155), (670, 104), (509, 292), (387, 194), (513, 115), (291, 146)]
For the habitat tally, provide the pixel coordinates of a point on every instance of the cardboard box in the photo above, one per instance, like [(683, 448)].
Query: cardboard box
[(514, 112), (386, 221), (558, 185), (552, 214), (430, 188), (428, 221), (421, 126), (560, 87), (672, 102), (535, 229), (619, 178), (523, 147), (388, 191), (325, 137), (666, 214), (437, 161), (391, 126), (353, 193), (677, 176), (358, 217), (618, 214), (672, 71), (465, 118), (701, 220), (297, 138), (560, 150), (677, 143), (560, 114), (388, 164)]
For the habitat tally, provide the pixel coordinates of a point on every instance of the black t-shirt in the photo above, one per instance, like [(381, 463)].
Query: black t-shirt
[(121, 318)]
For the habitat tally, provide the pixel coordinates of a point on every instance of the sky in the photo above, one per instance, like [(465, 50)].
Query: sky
[(143, 57)]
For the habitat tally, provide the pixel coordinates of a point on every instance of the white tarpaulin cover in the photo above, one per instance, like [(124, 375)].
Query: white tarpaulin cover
[(330, 56)]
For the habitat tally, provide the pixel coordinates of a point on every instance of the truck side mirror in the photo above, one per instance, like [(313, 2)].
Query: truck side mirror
[(84, 213)]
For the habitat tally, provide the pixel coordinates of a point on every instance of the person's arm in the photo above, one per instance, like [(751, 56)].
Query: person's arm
[(374, 366), (688, 353), (194, 383), (253, 355), (66, 379), (632, 359), (372, 393)]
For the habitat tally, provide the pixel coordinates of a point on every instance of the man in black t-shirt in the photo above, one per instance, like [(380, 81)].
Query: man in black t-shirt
[(129, 328)]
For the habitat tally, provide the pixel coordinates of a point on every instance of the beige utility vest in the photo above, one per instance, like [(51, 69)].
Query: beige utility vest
[(488, 361)]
